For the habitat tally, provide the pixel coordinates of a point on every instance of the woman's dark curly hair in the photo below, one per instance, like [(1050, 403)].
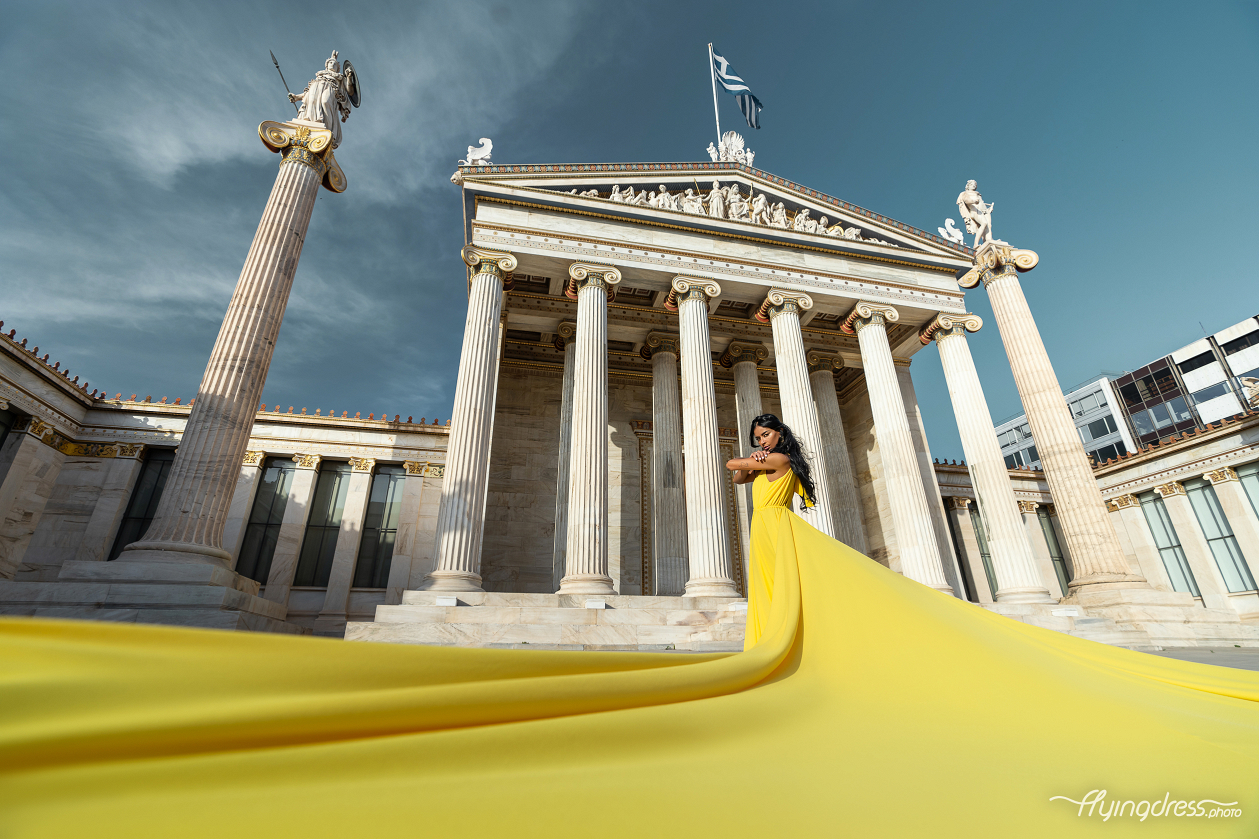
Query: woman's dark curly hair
[(788, 445)]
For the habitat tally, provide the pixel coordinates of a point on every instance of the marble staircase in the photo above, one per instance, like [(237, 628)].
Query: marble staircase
[(558, 622)]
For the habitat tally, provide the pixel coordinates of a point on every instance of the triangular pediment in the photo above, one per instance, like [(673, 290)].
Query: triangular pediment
[(773, 207)]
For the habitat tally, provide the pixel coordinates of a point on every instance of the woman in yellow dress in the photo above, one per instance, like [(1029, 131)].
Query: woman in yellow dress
[(777, 471)]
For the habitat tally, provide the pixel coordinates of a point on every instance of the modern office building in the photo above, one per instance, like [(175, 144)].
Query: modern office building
[(1191, 388)]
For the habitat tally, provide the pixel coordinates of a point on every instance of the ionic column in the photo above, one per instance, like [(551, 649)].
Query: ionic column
[(188, 525), (1132, 519), (907, 498), (461, 517), (958, 510), (565, 339), (743, 358), (845, 503), (707, 530), (1198, 554), (781, 310), (586, 558), (668, 500), (1019, 579), (1095, 551), (349, 538)]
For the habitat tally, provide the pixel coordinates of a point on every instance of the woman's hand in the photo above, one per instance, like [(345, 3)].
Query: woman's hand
[(759, 455)]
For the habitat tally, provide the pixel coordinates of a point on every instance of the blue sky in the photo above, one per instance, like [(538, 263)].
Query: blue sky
[(1117, 141)]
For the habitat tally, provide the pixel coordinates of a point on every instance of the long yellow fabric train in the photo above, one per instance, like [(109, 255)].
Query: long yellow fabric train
[(872, 706)]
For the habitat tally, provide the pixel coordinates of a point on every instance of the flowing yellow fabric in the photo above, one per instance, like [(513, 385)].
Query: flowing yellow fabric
[(871, 706)]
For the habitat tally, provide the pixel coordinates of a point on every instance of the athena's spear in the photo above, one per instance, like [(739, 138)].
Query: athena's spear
[(286, 84)]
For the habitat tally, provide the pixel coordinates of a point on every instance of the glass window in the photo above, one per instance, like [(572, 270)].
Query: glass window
[(1168, 544), (1239, 344), (1101, 427), (1224, 547), (1165, 380), (1146, 388), (1104, 454), (6, 422), (1218, 389), (1249, 475), (1131, 396), (1162, 418), (379, 528), (967, 582), (1179, 410), (1055, 549), (144, 498), (1197, 362), (263, 529), (1012, 461), (1031, 456), (1144, 425), (1026, 431), (1120, 448), (981, 536), (314, 565)]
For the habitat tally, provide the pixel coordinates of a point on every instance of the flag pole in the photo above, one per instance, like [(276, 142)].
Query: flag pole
[(712, 71)]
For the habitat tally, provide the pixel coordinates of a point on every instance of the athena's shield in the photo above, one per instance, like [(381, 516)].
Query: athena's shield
[(352, 84)]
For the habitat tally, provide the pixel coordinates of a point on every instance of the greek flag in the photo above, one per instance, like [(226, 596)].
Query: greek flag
[(749, 104)]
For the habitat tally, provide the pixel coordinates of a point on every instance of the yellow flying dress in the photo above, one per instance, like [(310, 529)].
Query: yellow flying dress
[(870, 706)]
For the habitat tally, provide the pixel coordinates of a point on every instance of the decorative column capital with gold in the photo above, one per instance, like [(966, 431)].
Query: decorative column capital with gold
[(995, 260), (362, 464), (1028, 506), (690, 288), (958, 502), (498, 264), (779, 301), (586, 275), (1221, 476), (864, 314), (311, 146), (658, 342), (943, 325), (820, 360), (565, 334), (253, 458), (738, 351), (307, 461), (1169, 489), (1123, 502)]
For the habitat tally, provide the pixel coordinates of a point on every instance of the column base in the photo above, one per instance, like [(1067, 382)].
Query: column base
[(711, 587), (440, 580), (1103, 582), (157, 551), (1025, 595), (586, 584)]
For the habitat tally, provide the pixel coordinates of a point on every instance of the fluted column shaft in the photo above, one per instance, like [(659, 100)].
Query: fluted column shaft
[(1095, 550), (188, 525), (907, 498), (743, 359), (707, 529), (845, 503), (586, 559), (1014, 564), (668, 501), (461, 514), (565, 454), (796, 395)]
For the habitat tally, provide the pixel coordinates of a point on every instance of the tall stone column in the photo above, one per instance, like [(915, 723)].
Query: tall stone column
[(1091, 541), (121, 473), (1132, 519), (188, 525), (1019, 578), (1039, 545), (707, 530), (1239, 512), (845, 503), (958, 510), (907, 498), (781, 310), (586, 559), (668, 505), (743, 358), (288, 542), (1198, 554), (336, 599), (565, 339), (461, 517)]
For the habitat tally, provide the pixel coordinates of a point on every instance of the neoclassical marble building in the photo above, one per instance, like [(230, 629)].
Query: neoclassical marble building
[(615, 351)]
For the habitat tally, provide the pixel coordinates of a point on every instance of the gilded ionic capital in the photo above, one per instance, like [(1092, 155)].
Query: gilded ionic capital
[(1169, 489), (565, 334), (690, 288), (740, 351), (1028, 506), (1123, 502), (942, 326), (306, 145), (362, 464), (586, 275), (414, 467), (1221, 476), (958, 502), (995, 260), (823, 360), (499, 264), (661, 342), (780, 301), (253, 458), (307, 461), (864, 314)]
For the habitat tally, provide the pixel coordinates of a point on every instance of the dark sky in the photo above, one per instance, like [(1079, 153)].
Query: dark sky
[(1117, 140)]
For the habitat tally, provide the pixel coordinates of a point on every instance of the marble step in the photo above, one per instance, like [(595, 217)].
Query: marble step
[(556, 601)]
